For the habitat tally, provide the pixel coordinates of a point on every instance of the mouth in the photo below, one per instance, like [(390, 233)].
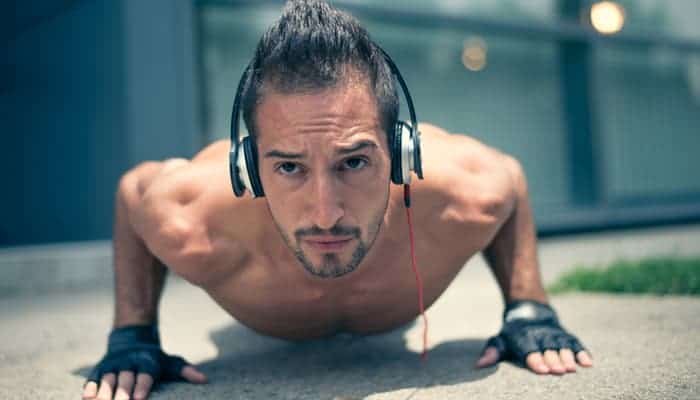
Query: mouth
[(328, 244)]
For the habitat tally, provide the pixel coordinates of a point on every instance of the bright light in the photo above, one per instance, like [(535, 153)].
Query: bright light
[(607, 17), (474, 54)]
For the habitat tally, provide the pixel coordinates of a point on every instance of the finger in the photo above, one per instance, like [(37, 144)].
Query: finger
[(192, 375), (90, 390), (567, 359), (551, 358), (536, 363), (489, 357), (125, 383), (144, 382), (107, 386), (584, 358)]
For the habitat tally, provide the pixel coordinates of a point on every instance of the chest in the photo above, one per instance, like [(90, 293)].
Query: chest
[(273, 294), (280, 300)]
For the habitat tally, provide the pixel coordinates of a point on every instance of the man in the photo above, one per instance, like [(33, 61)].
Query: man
[(326, 250)]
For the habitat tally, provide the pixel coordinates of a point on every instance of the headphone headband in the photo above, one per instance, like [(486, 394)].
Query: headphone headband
[(406, 154), (404, 88)]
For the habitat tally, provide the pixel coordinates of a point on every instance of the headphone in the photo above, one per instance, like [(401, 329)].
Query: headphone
[(404, 142)]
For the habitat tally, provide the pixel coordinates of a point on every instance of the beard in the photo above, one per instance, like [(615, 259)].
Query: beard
[(330, 265)]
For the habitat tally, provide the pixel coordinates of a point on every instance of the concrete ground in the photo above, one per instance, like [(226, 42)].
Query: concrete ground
[(643, 347)]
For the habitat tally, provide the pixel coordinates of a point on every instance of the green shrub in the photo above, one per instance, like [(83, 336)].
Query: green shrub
[(659, 276)]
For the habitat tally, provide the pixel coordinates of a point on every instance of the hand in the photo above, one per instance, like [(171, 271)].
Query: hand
[(532, 336), (136, 350)]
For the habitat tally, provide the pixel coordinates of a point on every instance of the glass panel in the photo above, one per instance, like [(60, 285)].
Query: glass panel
[(649, 116)]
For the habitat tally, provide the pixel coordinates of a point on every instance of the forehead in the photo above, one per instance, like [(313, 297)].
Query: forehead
[(336, 113)]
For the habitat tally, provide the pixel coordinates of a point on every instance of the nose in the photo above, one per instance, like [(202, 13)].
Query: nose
[(326, 203)]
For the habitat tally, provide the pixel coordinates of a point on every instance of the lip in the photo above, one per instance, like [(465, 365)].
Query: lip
[(328, 243)]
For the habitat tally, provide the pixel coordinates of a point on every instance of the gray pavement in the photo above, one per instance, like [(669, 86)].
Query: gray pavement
[(644, 347)]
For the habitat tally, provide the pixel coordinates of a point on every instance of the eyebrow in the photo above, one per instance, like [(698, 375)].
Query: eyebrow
[(358, 146), (295, 156), (282, 154)]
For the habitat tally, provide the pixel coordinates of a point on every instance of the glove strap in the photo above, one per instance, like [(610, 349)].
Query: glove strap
[(528, 310), (133, 334)]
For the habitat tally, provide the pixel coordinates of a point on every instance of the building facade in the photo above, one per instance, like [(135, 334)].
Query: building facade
[(606, 125)]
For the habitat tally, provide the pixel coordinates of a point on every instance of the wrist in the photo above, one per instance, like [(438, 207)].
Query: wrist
[(525, 286), (132, 318), (532, 293), (133, 334)]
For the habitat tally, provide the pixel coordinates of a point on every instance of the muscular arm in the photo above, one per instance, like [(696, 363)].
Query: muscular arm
[(138, 275), (140, 227), (512, 254)]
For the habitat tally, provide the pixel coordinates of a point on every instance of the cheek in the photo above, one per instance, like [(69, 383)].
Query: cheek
[(283, 212), (369, 200)]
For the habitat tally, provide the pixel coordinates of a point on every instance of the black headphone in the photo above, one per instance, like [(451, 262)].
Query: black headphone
[(405, 144)]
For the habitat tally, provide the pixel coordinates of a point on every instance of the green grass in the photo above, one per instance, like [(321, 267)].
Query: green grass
[(657, 276)]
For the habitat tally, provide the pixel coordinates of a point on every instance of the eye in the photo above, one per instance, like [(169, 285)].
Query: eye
[(288, 168), (354, 163)]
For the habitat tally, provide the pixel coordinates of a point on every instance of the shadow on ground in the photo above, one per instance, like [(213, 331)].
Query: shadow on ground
[(345, 366)]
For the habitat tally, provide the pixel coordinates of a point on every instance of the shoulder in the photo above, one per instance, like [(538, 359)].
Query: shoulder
[(462, 152), (166, 216), (474, 177), (187, 183), (192, 210)]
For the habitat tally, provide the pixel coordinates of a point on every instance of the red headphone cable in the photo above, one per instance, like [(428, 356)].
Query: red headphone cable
[(419, 281)]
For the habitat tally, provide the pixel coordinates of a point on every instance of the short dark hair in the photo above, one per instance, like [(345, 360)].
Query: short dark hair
[(311, 47)]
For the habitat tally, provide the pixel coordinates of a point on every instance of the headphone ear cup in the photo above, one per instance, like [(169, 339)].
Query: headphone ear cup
[(238, 186), (238, 170), (417, 155), (250, 152), (396, 173)]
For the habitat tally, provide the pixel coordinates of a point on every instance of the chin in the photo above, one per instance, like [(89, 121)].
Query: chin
[(330, 266), (330, 274)]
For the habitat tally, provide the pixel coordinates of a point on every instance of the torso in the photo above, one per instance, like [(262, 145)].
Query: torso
[(250, 272)]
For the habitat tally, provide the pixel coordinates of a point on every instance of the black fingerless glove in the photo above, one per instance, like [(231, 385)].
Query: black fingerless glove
[(137, 348), (528, 327)]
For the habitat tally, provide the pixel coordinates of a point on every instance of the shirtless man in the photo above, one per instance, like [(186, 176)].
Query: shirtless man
[(326, 250)]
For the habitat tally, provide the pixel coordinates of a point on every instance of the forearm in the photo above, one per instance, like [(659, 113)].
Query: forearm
[(138, 275), (512, 254)]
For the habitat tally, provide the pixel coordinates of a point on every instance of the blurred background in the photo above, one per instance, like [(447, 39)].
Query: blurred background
[(600, 101)]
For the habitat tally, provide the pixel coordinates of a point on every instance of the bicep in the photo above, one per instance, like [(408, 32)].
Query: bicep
[(159, 223), (486, 185)]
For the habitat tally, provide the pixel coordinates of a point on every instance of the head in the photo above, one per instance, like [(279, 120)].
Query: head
[(321, 102)]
